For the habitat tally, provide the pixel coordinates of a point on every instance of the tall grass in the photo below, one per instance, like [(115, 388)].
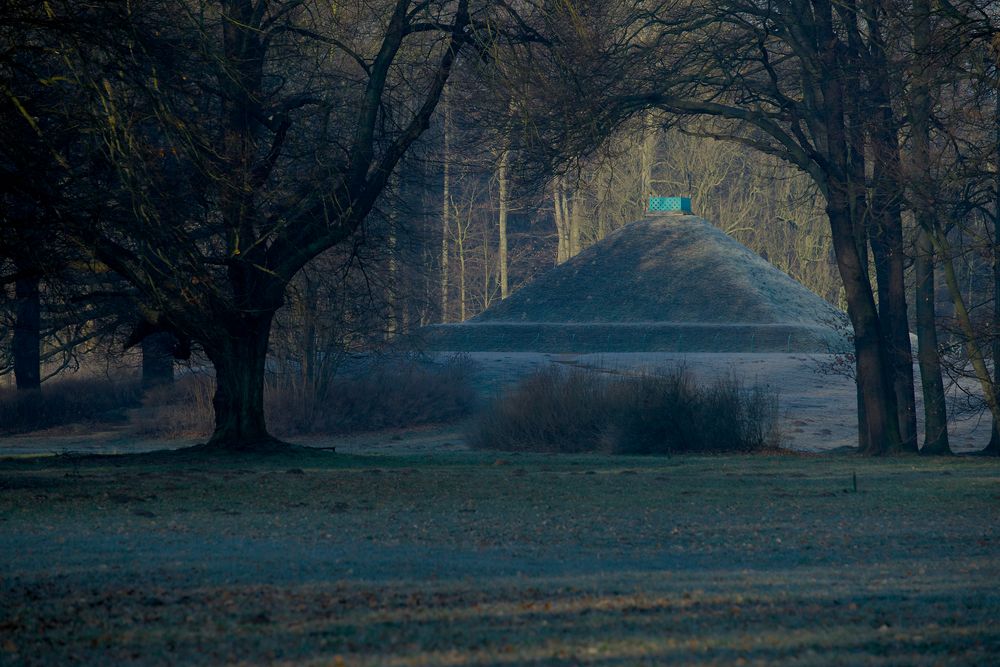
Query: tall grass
[(182, 409), (578, 410), (67, 401)]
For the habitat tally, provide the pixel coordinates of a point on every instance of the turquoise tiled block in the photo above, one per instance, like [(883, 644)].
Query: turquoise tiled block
[(679, 204)]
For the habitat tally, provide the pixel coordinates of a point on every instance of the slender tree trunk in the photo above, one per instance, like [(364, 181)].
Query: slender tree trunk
[(559, 216), (646, 158), (27, 333), (392, 288), (487, 274), (502, 178), (461, 233), (158, 360), (931, 382), (567, 219), (445, 206), (972, 347), (994, 445), (310, 298), (857, 198), (461, 278), (239, 357), (574, 224)]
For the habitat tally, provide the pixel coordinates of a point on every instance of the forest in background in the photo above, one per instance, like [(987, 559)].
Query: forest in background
[(182, 177)]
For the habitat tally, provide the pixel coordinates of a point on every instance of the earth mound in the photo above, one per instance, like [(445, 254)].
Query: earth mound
[(667, 283)]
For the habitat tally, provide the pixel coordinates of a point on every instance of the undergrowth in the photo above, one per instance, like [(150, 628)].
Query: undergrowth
[(572, 411), (67, 401), (384, 394)]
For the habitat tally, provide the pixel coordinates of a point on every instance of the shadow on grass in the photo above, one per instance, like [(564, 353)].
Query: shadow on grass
[(198, 455)]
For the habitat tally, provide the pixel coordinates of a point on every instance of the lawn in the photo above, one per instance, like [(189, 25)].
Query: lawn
[(471, 558)]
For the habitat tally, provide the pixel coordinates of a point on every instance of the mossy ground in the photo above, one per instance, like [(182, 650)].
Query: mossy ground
[(466, 558)]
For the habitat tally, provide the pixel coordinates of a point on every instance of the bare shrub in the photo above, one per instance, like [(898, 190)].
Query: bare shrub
[(178, 410), (67, 401), (581, 411), (551, 410), (387, 394), (390, 393)]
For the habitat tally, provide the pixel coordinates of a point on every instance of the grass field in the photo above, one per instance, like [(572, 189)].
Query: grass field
[(466, 559)]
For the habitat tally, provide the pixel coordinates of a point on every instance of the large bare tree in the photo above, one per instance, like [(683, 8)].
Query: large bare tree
[(247, 137)]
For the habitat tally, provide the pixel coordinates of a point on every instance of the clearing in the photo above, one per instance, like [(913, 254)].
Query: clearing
[(464, 558)]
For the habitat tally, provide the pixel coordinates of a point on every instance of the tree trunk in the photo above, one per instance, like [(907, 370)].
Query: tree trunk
[(881, 425), (559, 216), (392, 300), (310, 298), (461, 233), (158, 359), (986, 383), (879, 415), (239, 358), (931, 382), (574, 224), (502, 178), (887, 248), (994, 445), (27, 333), (445, 206), (646, 158)]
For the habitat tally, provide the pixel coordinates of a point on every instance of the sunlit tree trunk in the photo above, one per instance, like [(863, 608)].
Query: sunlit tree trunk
[(646, 158), (461, 232), (503, 181), (560, 218), (445, 206), (575, 222)]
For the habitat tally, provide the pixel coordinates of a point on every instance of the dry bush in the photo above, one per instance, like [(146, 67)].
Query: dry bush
[(182, 409), (583, 411), (67, 401), (551, 410), (389, 394)]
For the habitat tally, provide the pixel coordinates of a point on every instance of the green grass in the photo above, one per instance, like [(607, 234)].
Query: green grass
[(473, 559)]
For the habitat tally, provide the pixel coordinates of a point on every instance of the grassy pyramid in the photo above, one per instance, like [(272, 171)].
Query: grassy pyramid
[(669, 282)]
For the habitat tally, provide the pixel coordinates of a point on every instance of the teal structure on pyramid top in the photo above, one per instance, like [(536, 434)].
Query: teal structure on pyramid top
[(670, 205)]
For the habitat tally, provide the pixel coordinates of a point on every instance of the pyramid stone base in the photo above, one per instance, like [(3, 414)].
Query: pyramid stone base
[(583, 338)]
